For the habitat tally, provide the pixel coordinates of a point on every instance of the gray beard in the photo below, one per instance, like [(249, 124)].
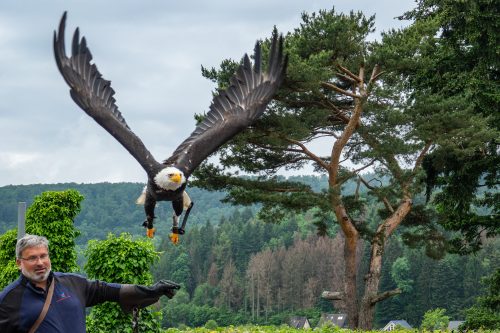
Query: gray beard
[(37, 277)]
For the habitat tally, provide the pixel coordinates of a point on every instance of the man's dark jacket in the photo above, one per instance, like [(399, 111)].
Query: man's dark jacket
[(21, 303)]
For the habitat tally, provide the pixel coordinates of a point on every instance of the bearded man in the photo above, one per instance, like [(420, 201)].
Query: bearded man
[(45, 301)]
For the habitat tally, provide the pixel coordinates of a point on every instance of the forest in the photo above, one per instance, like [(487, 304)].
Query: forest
[(236, 269)]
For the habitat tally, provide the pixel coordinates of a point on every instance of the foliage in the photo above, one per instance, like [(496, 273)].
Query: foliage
[(283, 329), (51, 215), (109, 317), (450, 283), (459, 52), (204, 294), (9, 271), (400, 274), (184, 313), (211, 324), (110, 208), (126, 261), (334, 89), (435, 320), (486, 312)]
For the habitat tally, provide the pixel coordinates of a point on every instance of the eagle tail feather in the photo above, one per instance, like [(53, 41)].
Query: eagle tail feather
[(142, 198)]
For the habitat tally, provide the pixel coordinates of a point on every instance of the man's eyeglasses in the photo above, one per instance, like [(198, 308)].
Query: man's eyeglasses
[(34, 259)]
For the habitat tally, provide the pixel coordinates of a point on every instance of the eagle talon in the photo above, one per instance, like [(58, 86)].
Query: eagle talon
[(150, 232), (174, 238)]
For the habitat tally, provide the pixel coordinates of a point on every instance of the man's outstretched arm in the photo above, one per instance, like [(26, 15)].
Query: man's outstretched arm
[(137, 296)]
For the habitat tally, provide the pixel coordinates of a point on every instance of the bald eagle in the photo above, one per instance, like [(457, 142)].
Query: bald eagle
[(231, 111)]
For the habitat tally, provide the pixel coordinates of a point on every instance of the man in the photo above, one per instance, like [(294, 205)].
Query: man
[(22, 301)]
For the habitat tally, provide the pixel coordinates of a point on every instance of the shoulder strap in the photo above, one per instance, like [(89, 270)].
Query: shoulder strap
[(45, 308)]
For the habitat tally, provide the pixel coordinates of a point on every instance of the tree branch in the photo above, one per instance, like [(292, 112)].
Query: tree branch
[(375, 78), (287, 190), (326, 133), (347, 78), (338, 113), (375, 74), (385, 295), (384, 199), (347, 133), (349, 73), (309, 153), (356, 171), (339, 90), (275, 148), (421, 156), (291, 150), (342, 180)]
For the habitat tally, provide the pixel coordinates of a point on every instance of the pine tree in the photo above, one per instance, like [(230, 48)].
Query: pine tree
[(369, 100)]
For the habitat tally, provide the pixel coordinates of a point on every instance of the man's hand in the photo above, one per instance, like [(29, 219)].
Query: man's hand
[(166, 287), (137, 296)]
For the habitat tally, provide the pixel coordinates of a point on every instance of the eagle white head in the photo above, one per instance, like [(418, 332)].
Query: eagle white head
[(170, 178)]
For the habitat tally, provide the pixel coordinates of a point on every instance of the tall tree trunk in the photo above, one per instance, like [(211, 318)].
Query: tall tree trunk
[(350, 297), (350, 259), (372, 280)]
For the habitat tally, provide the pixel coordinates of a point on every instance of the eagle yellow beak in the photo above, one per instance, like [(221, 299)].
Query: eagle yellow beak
[(176, 177)]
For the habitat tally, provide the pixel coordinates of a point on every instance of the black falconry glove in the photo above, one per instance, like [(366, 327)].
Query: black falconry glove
[(137, 296)]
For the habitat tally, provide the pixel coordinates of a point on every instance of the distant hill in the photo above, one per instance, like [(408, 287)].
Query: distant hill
[(110, 207)]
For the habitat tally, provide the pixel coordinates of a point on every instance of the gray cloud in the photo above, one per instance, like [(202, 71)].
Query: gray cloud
[(151, 51)]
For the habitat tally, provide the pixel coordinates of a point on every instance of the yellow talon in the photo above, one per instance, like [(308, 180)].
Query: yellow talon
[(174, 238), (150, 232)]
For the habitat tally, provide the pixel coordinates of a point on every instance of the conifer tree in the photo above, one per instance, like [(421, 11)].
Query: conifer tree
[(352, 95)]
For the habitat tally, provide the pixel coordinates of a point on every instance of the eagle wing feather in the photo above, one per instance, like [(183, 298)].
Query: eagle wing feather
[(94, 94), (231, 111), (234, 109)]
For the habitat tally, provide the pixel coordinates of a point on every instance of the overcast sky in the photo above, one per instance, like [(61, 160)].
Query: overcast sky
[(152, 52)]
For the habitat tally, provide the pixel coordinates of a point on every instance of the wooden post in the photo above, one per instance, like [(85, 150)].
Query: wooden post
[(21, 219)]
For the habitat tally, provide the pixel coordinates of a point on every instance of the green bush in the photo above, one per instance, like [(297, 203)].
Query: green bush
[(211, 324), (486, 312), (182, 327), (52, 215), (435, 320), (9, 271), (121, 260)]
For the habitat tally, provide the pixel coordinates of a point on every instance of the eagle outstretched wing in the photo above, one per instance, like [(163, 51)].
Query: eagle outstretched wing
[(94, 94), (233, 109)]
